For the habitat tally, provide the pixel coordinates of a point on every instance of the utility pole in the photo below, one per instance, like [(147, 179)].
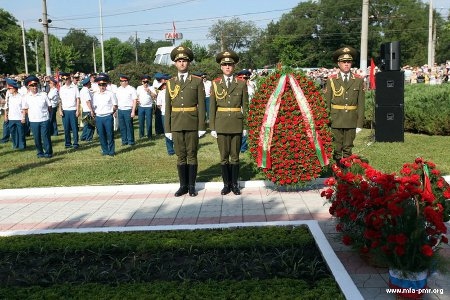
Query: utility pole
[(136, 46), (101, 36), (93, 55), (430, 35), (45, 21), (37, 56), (364, 35), (24, 49)]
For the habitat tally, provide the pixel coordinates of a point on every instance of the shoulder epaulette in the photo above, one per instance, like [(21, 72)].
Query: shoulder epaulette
[(195, 76), (333, 76), (217, 79), (357, 76), (241, 79)]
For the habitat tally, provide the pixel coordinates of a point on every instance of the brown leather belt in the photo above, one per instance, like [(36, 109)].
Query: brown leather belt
[(183, 109), (346, 107), (228, 109)]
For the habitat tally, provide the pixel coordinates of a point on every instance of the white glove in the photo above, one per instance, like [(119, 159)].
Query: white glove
[(214, 134), (358, 130), (244, 133), (168, 135), (201, 133)]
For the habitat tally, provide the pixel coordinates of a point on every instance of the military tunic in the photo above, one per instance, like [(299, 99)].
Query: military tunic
[(228, 109), (185, 116), (346, 105)]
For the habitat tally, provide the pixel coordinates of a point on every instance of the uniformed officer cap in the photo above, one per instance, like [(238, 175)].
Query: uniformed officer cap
[(124, 77), (245, 73), (102, 79), (52, 79), (12, 83), (31, 79), (182, 52), (85, 81), (158, 76), (227, 57), (64, 75), (145, 78), (346, 53)]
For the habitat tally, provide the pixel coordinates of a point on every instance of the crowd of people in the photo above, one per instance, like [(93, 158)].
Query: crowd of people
[(30, 106)]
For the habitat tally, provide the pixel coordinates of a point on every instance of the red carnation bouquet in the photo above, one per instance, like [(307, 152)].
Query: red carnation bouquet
[(398, 218), (289, 137)]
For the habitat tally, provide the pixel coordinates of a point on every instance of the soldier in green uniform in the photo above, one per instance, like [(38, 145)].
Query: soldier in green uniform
[(228, 107), (344, 96), (185, 118)]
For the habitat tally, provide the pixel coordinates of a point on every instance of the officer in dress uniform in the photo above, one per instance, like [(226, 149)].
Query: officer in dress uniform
[(344, 96), (228, 106), (185, 118)]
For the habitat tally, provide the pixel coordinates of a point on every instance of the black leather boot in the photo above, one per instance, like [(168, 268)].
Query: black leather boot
[(234, 179), (182, 171), (191, 178), (226, 174)]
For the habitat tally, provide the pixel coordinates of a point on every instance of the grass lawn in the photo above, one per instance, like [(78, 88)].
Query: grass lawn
[(148, 162)]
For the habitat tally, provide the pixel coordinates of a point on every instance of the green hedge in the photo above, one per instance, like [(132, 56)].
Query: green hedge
[(427, 109), (203, 263)]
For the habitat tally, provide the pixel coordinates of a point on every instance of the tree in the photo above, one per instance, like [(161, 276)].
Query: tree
[(11, 62), (233, 34), (83, 43), (35, 39), (309, 34), (117, 52), (62, 57)]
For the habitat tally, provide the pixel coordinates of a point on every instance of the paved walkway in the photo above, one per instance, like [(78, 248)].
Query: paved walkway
[(137, 207)]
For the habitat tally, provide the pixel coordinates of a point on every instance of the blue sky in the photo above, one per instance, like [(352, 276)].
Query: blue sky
[(153, 18), (148, 19)]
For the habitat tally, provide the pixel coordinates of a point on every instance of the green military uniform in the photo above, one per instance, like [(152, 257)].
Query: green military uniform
[(345, 103), (228, 108), (184, 118)]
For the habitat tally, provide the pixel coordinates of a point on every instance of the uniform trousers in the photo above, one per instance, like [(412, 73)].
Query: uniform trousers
[(126, 126), (186, 146), (17, 130), (159, 122), (6, 132), (53, 122), (343, 141), (105, 131), (229, 147), (42, 140), (88, 129), (145, 121), (70, 123)]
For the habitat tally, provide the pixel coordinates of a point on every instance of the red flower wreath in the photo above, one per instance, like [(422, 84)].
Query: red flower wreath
[(294, 159)]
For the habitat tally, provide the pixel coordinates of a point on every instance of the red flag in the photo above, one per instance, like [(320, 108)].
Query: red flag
[(372, 75)]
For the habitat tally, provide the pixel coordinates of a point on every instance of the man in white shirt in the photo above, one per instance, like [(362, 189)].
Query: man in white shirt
[(69, 110), (145, 94), (86, 105), (127, 100), (38, 107), (105, 106), (207, 83)]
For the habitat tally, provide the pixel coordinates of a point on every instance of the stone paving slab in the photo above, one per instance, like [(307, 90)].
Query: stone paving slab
[(140, 207)]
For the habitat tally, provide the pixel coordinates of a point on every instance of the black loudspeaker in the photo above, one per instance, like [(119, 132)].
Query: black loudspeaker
[(390, 88), (389, 123), (390, 56)]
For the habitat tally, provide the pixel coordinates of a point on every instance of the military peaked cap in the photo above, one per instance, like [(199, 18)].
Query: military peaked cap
[(346, 53), (182, 52), (227, 57)]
